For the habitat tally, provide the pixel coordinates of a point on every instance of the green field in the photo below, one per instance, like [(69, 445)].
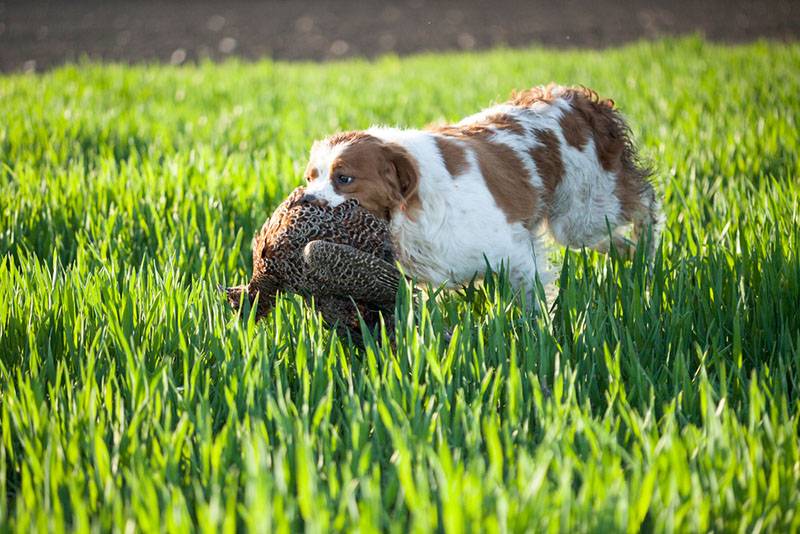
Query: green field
[(130, 397)]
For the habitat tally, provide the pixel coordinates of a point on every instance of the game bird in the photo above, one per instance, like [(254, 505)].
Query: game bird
[(340, 256)]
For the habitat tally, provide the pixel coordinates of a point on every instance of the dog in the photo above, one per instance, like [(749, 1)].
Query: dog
[(551, 159)]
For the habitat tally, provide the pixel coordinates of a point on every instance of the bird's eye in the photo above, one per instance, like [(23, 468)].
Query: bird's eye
[(344, 179)]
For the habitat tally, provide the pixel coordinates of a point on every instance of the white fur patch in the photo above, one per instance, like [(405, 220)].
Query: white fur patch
[(322, 157)]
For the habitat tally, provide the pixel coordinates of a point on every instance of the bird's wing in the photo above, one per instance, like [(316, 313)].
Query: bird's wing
[(346, 271)]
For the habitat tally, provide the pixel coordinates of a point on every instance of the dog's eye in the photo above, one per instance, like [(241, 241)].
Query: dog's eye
[(344, 179)]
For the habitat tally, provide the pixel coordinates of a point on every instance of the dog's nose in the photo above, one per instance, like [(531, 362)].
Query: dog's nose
[(313, 199)]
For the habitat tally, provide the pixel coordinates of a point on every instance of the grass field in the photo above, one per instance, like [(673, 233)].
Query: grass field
[(130, 397)]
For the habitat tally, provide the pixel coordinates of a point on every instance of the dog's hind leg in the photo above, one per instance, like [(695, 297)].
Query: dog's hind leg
[(530, 267)]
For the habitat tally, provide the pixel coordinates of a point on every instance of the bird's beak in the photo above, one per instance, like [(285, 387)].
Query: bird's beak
[(234, 295)]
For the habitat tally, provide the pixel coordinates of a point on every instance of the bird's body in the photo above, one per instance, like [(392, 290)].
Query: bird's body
[(340, 256)]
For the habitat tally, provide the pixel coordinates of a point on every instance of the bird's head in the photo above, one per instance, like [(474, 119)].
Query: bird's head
[(236, 296)]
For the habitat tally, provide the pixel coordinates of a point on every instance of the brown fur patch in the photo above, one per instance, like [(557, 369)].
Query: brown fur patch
[(347, 137), (598, 119), (502, 121), (533, 95), (468, 130), (311, 173), (549, 164), (574, 127), (552, 91), (487, 126), (386, 177), (505, 174), (506, 178), (453, 154)]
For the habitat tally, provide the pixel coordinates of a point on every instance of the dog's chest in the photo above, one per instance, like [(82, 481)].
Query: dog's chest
[(459, 230), (444, 249)]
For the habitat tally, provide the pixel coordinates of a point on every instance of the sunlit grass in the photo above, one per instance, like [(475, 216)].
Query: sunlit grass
[(130, 396)]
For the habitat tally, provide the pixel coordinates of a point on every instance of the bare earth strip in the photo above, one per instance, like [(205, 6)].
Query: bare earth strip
[(37, 35)]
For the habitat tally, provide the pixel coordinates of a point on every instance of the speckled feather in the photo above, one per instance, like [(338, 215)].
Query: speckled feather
[(341, 256)]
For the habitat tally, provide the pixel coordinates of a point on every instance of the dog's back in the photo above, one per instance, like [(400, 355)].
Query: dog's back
[(580, 161)]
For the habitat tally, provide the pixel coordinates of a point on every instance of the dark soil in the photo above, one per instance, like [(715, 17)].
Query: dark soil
[(35, 35)]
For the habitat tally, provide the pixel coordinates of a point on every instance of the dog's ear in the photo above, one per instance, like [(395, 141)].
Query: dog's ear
[(405, 169)]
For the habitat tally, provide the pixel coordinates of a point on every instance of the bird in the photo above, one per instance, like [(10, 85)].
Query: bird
[(341, 257)]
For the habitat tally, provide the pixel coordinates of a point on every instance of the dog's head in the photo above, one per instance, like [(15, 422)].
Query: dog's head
[(381, 176)]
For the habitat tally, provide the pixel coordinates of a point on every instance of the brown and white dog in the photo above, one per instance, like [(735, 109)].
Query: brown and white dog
[(484, 189)]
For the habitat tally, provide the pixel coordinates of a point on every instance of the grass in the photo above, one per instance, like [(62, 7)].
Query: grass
[(130, 398)]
